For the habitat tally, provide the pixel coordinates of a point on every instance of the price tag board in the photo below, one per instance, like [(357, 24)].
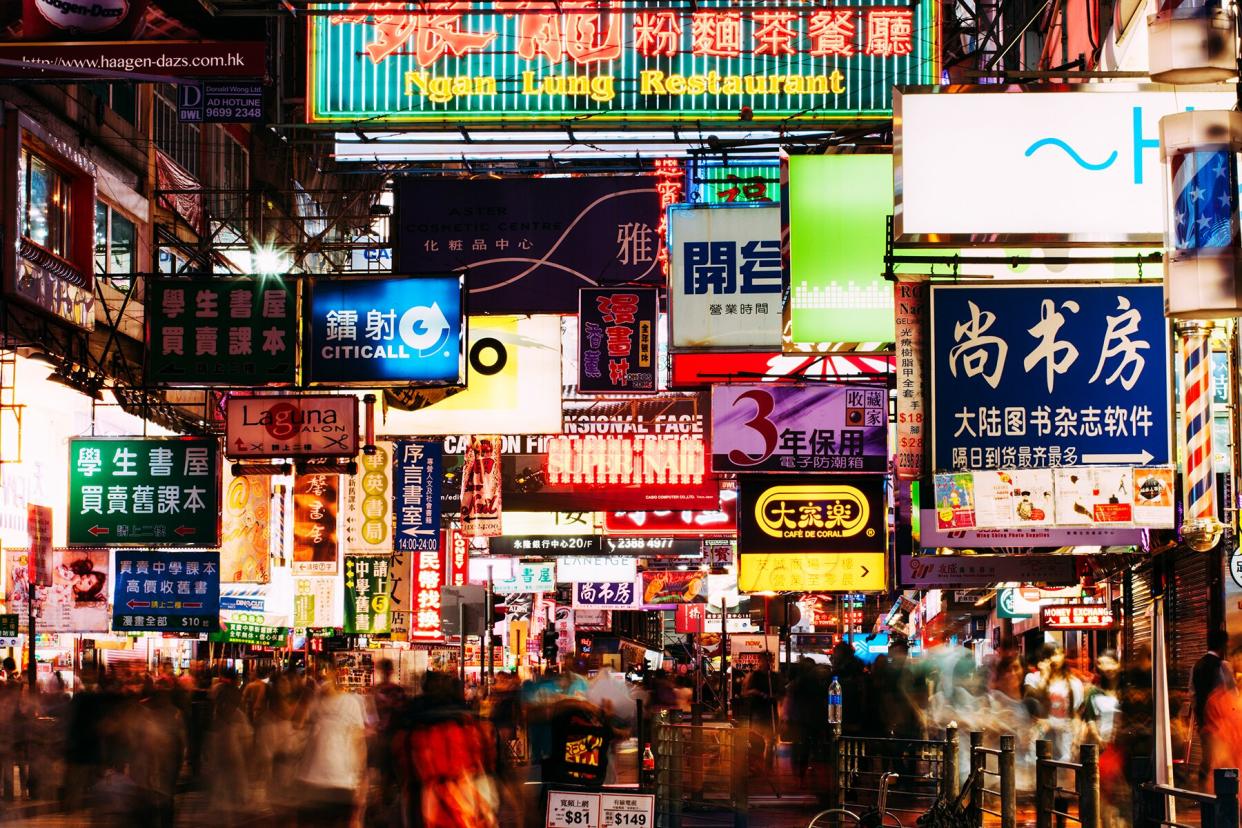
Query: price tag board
[(627, 810), (573, 810)]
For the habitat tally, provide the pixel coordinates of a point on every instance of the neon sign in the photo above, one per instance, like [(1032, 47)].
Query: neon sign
[(428, 578), (455, 61), (638, 460), (1076, 617)]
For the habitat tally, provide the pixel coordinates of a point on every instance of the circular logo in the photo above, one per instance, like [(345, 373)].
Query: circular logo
[(284, 419), (488, 356), (86, 16)]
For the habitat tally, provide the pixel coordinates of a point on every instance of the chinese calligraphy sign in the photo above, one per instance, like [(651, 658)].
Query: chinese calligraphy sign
[(616, 340), (1049, 376), (151, 491), (315, 524), (366, 594), (166, 591)]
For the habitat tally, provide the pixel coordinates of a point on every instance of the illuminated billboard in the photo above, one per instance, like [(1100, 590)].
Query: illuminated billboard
[(717, 62)]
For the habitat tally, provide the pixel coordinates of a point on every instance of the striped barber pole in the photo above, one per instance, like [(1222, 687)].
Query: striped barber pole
[(1200, 483)]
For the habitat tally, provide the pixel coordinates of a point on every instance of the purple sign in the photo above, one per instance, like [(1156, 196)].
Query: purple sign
[(969, 571), (616, 340), (789, 428), (613, 596), (528, 244), (1029, 536)]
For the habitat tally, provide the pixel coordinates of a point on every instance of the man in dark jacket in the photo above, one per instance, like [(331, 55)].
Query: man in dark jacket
[(1210, 673)]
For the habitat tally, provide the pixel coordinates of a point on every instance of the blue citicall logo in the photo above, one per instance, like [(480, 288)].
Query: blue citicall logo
[(1138, 142)]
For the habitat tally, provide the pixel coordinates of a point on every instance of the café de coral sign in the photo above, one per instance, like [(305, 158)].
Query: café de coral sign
[(521, 61)]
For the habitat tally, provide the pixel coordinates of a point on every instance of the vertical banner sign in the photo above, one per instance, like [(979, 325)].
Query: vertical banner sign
[(166, 591), (400, 594), (238, 331), (366, 595), (458, 552), (246, 536), (149, 491), (316, 601), (314, 524), (367, 517), (908, 302), (616, 340), (416, 483), (39, 528), (428, 578), (480, 488)]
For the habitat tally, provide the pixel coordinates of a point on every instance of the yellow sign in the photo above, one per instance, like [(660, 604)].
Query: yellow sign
[(812, 512), (812, 571)]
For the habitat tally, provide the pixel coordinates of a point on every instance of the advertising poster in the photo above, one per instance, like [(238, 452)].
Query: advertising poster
[(955, 501), (166, 591), (725, 276), (1154, 496), (366, 595), (149, 491), (617, 340), (607, 595), (17, 577), (822, 428), (1111, 495), (1049, 376), (416, 483), (402, 604), (429, 576), (77, 601), (316, 602), (366, 520), (315, 524), (397, 330), (481, 491), (240, 331), (1016, 498), (909, 303), (246, 542), (667, 589)]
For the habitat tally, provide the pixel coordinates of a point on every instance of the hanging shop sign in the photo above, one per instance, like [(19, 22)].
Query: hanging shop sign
[(366, 595), (258, 635), (818, 428), (316, 602), (607, 595), (397, 330), (928, 535), (238, 331), (721, 521), (1076, 617), (730, 182), (481, 490), (315, 510), (366, 520), (617, 340), (402, 605), (909, 303), (150, 491), (77, 599), (514, 365), (246, 530), (598, 65), (529, 244), (39, 530), (1043, 376), (416, 479), (572, 545), (725, 277), (166, 591), (527, 578), (610, 569), (707, 618), (695, 370), (667, 589), (220, 103), (967, 571), (430, 575), (1087, 165), (838, 208), (318, 425), (457, 562), (811, 533)]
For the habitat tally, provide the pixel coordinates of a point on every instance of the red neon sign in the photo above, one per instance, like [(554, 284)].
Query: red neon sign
[(458, 558), (626, 460), (1076, 617), (668, 522), (428, 578)]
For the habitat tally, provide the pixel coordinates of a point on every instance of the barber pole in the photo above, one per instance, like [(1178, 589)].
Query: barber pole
[(1199, 484)]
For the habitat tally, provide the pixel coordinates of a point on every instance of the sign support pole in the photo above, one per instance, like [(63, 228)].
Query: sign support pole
[(1200, 528), (33, 678)]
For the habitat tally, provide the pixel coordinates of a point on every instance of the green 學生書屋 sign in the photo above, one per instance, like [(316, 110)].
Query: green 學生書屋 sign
[(144, 491), (599, 64)]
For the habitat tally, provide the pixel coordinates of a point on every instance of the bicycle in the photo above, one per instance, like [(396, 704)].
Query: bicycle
[(870, 818)]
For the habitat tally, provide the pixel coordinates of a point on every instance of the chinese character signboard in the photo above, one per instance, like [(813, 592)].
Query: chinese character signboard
[(259, 635), (909, 302), (616, 340), (690, 369), (595, 595), (366, 520), (246, 535), (318, 425), (315, 524), (725, 277), (727, 182), (166, 591), (39, 530), (429, 576), (1076, 617), (366, 595), (529, 244), (390, 331), (527, 578), (799, 428), (481, 488), (236, 331), (401, 585), (316, 602), (129, 491), (578, 545), (1042, 376), (416, 488), (968, 571), (722, 521), (457, 550), (598, 64), (807, 533)]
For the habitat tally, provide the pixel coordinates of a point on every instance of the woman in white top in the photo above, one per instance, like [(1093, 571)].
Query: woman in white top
[(332, 778)]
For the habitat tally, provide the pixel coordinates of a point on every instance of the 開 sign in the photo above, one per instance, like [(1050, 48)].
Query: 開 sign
[(1041, 376), (314, 425), (129, 491), (166, 591), (617, 340)]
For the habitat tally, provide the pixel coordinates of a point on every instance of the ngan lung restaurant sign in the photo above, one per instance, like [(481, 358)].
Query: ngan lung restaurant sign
[(486, 63)]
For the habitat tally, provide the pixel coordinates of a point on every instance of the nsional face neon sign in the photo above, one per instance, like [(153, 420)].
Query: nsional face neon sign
[(638, 460)]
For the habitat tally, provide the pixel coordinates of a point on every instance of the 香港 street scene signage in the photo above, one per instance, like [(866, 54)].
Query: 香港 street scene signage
[(617, 340), (1043, 376), (166, 591), (822, 428), (965, 571), (1076, 617), (599, 64), (317, 425), (144, 491)]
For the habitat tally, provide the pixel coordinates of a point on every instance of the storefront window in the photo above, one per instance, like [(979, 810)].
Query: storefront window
[(46, 222), (115, 244)]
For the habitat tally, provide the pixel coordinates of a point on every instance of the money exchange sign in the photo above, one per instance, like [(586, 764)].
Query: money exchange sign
[(129, 491), (166, 591), (1041, 376)]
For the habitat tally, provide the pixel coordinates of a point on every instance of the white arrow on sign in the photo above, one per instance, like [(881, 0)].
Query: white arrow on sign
[(1120, 459)]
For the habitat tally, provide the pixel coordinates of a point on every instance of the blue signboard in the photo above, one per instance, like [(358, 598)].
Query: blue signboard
[(391, 331), (416, 480), (1041, 376), (166, 591)]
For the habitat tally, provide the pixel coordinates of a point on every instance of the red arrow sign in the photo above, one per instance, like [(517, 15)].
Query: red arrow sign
[(135, 604), (99, 530), (192, 605), (185, 530)]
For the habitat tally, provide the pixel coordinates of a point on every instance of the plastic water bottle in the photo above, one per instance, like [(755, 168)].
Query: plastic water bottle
[(834, 701)]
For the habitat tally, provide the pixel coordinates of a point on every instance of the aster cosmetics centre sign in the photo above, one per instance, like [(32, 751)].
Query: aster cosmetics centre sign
[(509, 60)]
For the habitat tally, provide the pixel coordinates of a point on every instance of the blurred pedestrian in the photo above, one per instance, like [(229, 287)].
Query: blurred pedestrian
[(1210, 673), (331, 779)]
